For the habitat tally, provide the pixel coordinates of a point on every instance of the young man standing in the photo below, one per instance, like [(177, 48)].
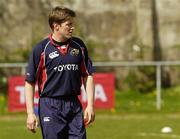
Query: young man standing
[(60, 64)]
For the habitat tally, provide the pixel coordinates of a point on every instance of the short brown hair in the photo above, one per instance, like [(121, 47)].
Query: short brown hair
[(60, 15)]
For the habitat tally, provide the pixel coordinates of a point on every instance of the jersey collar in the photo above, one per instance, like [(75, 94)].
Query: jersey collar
[(63, 49)]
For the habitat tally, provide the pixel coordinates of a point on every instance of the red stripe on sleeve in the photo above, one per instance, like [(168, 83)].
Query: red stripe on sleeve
[(84, 70), (42, 76)]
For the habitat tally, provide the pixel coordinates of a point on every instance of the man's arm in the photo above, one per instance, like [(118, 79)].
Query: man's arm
[(32, 121), (89, 114)]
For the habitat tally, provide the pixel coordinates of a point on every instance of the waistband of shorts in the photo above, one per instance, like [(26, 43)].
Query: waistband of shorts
[(60, 97)]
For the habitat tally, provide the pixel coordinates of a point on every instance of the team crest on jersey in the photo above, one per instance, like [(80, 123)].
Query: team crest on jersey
[(74, 52)]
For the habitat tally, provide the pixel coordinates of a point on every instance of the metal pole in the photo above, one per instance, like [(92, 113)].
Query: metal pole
[(23, 70), (158, 87)]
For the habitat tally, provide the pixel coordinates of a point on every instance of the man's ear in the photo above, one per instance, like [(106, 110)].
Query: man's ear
[(56, 26)]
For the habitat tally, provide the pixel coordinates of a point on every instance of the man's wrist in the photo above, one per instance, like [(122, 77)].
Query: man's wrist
[(30, 113), (90, 105)]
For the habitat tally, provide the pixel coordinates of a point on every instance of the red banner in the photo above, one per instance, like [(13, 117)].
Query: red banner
[(104, 92)]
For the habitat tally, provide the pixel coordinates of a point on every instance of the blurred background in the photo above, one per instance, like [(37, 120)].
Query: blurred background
[(136, 40)]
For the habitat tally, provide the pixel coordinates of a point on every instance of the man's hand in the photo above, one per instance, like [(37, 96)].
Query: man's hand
[(32, 122), (89, 115)]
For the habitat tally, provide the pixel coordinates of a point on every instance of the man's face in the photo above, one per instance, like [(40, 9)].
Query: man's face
[(66, 28)]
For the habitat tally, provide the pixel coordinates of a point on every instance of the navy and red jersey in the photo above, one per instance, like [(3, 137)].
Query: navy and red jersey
[(59, 68)]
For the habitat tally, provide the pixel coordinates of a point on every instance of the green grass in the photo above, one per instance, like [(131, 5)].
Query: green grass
[(133, 102), (106, 126), (134, 117), (133, 126), (14, 126), (3, 104)]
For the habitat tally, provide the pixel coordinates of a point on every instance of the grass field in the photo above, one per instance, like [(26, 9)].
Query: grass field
[(134, 117), (107, 126)]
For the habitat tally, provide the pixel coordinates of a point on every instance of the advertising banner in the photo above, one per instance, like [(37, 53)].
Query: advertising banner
[(104, 92)]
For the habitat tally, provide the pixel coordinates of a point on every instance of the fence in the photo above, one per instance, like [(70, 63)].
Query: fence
[(157, 65)]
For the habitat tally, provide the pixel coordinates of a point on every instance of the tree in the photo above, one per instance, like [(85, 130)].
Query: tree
[(157, 56), (157, 52)]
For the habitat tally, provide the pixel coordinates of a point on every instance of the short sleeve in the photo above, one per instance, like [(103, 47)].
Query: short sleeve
[(33, 65), (87, 67)]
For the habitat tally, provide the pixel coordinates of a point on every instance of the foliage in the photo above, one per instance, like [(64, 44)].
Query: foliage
[(3, 53), (3, 84), (3, 95), (97, 50), (3, 103), (177, 46), (142, 79)]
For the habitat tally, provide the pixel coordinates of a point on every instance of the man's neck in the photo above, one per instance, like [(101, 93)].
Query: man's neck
[(58, 38)]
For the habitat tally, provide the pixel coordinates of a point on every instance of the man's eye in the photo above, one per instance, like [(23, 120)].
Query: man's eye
[(70, 24)]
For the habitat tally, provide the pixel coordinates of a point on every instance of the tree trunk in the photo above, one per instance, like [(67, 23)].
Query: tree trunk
[(157, 56)]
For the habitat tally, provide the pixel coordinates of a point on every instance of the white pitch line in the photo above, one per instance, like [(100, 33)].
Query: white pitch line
[(174, 136)]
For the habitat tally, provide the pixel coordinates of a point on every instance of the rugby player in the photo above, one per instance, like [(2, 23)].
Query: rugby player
[(60, 64)]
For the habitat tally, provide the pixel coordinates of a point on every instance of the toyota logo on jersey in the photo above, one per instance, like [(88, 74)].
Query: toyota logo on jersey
[(67, 67)]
